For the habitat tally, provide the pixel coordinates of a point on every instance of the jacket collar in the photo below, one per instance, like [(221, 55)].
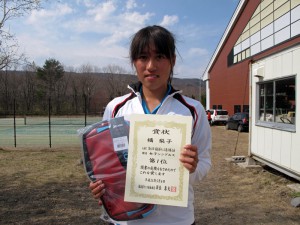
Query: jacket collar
[(136, 87)]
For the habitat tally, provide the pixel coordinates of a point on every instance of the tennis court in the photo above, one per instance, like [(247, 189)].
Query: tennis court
[(36, 131)]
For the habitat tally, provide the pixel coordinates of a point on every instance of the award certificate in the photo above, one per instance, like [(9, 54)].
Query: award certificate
[(154, 173)]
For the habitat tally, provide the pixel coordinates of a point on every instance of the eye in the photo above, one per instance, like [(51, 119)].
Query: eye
[(161, 56), (142, 57)]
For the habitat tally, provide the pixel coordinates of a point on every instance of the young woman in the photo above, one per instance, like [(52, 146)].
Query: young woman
[(153, 55)]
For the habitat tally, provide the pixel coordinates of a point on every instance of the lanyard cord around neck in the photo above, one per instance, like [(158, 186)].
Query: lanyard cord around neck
[(146, 110)]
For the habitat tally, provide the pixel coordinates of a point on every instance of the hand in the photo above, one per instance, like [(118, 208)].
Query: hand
[(97, 188), (189, 157)]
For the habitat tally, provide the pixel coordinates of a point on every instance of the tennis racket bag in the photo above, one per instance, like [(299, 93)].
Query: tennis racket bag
[(105, 148)]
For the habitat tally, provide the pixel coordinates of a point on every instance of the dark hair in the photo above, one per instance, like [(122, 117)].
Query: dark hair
[(162, 39)]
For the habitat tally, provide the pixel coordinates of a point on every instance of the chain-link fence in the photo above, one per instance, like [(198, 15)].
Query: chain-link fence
[(44, 130)]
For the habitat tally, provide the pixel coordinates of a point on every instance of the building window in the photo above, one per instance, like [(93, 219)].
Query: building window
[(237, 108), (245, 108), (217, 107), (272, 23), (276, 103)]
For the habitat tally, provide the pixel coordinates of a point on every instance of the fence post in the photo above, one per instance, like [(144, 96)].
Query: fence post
[(49, 113), (85, 109), (15, 131)]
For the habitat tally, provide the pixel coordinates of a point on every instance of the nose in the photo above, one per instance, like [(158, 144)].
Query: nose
[(151, 65)]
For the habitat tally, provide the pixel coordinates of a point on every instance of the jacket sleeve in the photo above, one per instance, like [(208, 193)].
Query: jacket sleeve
[(109, 109), (107, 113), (202, 139)]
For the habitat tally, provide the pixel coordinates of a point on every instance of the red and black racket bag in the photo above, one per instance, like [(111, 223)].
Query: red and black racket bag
[(105, 158)]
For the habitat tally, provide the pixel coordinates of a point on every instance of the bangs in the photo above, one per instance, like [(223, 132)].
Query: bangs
[(163, 42)]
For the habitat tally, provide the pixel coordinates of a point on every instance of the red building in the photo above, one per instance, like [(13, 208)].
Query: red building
[(257, 29), (255, 68)]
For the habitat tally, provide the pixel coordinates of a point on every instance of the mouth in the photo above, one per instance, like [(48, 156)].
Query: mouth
[(152, 76)]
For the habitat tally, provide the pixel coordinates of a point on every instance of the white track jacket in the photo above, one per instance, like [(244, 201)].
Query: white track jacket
[(174, 104)]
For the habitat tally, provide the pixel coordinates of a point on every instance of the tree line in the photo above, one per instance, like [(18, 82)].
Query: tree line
[(74, 92), (84, 90)]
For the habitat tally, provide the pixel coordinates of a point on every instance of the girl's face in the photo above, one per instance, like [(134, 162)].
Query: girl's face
[(153, 69)]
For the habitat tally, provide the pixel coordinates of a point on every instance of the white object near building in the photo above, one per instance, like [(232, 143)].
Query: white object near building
[(275, 123)]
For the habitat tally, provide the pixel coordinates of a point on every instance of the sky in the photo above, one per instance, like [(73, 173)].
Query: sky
[(98, 32)]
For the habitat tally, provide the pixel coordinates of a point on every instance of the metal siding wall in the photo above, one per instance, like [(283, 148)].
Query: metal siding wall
[(285, 150), (276, 154), (268, 137), (276, 146), (295, 152)]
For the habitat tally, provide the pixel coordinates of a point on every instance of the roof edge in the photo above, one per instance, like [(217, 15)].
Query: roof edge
[(222, 40)]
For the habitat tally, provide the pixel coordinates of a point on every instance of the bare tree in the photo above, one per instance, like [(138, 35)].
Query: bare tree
[(87, 83), (5, 95), (11, 9), (73, 80), (61, 94), (8, 51), (9, 90), (28, 86), (115, 83)]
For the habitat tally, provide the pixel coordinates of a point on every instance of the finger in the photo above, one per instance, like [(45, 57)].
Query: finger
[(97, 189), (189, 163), (189, 153), (191, 168), (189, 158), (93, 185), (99, 194), (190, 147)]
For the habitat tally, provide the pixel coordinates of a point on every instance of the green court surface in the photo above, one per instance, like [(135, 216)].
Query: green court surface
[(35, 132)]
